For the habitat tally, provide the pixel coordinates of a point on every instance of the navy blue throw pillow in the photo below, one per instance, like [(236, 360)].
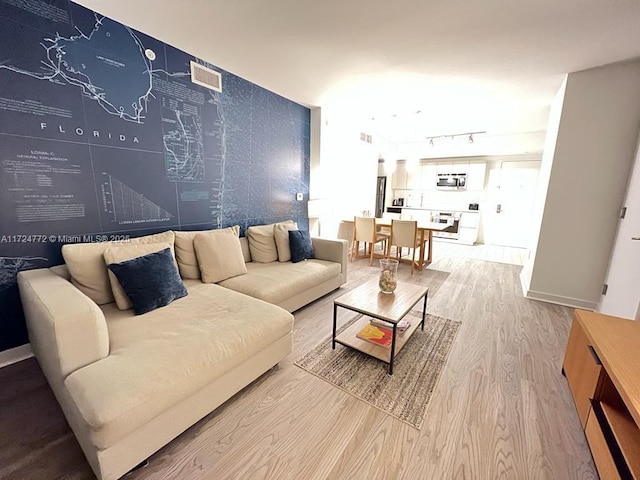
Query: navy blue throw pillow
[(300, 244), (150, 281)]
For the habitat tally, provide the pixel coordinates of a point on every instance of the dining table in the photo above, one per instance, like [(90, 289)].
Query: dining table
[(425, 233)]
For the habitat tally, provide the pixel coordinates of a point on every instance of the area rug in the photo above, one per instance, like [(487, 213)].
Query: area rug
[(416, 370)]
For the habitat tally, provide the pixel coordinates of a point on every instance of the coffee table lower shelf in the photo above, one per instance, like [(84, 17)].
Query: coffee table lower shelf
[(349, 339), (368, 300)]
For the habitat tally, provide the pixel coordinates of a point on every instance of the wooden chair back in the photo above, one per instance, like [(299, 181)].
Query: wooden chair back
[(345, 232), (403, 233), (365, 229)]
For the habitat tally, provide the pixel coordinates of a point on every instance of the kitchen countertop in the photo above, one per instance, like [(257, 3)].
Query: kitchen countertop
[(441, 209)]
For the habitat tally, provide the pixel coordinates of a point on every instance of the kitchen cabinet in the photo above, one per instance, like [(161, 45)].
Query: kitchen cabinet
[(444, 167), (414, 178), (475, 176), (399, 177), (468, 227), (429, 176), (452, 167), (417, 214)]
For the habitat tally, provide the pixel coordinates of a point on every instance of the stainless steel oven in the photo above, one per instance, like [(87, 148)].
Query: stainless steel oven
[(452, 219)]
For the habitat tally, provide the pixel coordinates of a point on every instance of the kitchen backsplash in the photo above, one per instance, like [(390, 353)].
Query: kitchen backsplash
[(437, 199)]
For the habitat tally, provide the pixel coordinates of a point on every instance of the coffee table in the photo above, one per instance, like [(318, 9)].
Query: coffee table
[(368, 300)]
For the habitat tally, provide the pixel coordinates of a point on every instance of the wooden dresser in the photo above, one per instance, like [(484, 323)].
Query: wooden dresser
[(602, 366)]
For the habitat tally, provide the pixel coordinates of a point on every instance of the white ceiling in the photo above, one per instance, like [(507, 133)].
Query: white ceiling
[(467, 65)]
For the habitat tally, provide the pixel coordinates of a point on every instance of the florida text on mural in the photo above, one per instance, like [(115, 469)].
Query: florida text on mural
[(79, 131)]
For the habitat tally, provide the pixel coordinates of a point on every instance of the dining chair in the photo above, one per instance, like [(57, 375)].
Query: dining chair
[(404, 233), (386, 217), (365, 231), (345, 232)]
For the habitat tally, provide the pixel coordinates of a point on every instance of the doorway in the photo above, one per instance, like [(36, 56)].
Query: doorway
[(623, 278), (510, 199)]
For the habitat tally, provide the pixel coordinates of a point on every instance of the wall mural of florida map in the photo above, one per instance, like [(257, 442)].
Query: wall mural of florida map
[(104, 135)]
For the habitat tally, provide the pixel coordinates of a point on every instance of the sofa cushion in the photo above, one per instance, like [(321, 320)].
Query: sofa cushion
[(186, 254), (88, 270), (246, 253), (219, 254), (174, 353), (276, 282), (150, 281), (301, 247), (262, 243), (281, 236), (122, 253)]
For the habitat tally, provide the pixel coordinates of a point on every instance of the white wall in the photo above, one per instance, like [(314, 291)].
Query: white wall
[(588, 170), (347, 170), (553, 127), (316, 188)]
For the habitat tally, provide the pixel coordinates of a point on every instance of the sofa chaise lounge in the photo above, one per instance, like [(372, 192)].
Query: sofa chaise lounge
[(128, 384)]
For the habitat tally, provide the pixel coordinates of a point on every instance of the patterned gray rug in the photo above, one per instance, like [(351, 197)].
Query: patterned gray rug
[(416, 370)]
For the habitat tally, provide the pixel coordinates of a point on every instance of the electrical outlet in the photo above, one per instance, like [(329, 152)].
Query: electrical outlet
[(299, 196)]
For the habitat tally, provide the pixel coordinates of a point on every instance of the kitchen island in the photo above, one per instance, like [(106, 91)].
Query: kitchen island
[(466, 222)]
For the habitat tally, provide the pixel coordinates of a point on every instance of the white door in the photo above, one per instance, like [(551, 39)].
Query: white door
[(623, 278), (510, 198)]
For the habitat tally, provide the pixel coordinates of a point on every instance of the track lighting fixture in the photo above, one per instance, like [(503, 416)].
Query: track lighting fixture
[(452, 136)]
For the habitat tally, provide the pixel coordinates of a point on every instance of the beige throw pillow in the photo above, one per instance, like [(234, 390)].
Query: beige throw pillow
[(281, 235), (219, 254), (186, 255), (262, 243), (121, 254), (88, 271), (246, 253)]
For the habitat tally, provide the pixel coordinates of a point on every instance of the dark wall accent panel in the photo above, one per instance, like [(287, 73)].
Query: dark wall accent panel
[(103, 135)]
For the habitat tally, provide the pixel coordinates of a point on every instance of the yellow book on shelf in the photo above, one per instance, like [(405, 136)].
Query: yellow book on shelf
[(374, 334)]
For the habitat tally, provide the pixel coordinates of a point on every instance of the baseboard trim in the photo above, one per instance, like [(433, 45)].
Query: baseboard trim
[(15, 355), (560, 300), (524, 283)]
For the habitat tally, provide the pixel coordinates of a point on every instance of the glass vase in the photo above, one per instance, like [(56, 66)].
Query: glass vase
[(388, 280)]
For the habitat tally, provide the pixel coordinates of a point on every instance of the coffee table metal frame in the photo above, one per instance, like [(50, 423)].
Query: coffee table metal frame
[(371, 312)]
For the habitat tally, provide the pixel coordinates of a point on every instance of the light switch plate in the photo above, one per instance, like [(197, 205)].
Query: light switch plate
[(299, 196)]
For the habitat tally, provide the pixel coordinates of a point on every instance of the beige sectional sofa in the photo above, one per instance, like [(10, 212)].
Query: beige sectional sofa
[(294, 285), (130, 384)]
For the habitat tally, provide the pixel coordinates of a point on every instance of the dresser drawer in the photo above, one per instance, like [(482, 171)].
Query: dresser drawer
[(600, 449), (583, 370)]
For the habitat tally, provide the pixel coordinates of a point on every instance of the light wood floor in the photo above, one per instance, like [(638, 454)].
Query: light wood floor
[(501, 410), (489, 253)]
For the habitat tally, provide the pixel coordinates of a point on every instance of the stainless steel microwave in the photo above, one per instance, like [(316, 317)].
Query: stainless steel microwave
[(455, 181)]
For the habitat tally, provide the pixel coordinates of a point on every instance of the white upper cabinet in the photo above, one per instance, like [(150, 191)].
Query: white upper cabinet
[(475, 176), (425, 175), (414, 178), (399, 177), (445, 167), (429, 176)]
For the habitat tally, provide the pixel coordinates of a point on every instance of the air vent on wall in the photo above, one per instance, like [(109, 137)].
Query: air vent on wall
[(206, 77)]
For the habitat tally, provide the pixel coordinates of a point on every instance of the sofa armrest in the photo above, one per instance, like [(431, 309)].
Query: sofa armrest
[(333, 250), (67, 330)]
